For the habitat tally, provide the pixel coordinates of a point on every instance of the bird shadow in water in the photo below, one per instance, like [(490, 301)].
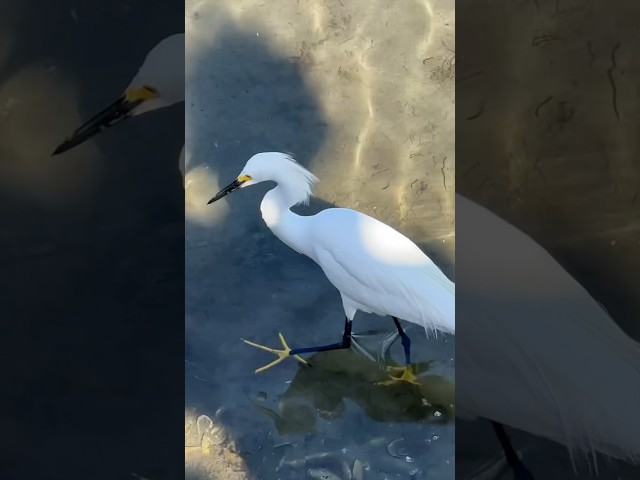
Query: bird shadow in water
[(242, 98), (245, 97), (320, 390)]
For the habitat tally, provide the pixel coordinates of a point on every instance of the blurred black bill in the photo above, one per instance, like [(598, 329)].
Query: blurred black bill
[(115, 113)]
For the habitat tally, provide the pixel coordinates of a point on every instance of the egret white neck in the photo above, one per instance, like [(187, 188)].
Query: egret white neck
[(286, 225)]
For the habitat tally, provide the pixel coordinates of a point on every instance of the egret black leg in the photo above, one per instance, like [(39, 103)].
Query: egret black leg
[(520, 472), (345, 343), (346, 335), (406, 341), (406, 372)]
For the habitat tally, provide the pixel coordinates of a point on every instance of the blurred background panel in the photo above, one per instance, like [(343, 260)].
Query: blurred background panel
[(547, 116), (91, 247)]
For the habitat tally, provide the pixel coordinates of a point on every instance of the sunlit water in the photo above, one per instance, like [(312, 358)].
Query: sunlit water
[(363, 95)]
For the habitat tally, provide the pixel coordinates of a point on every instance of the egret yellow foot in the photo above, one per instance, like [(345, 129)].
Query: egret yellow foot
[(406, 375), (281, 354)]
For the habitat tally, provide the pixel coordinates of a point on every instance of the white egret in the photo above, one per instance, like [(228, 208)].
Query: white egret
[(376, 269), (538, 353), (159, 83)]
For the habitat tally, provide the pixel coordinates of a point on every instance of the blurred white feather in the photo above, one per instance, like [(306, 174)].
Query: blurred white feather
[(536, 351)]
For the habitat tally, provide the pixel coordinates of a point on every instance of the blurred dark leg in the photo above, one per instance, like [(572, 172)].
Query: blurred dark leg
[(520, 472)]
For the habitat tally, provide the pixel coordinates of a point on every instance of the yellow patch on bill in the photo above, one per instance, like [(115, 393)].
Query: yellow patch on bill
[(141, 94)]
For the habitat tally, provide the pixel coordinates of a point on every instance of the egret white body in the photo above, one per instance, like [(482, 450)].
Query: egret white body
[(538, 352), (376, 269)]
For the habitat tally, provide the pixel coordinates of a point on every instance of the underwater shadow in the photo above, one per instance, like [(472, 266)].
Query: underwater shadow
[(333, 377)]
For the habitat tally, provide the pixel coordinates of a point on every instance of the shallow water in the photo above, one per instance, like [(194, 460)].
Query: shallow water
[(367, 104)]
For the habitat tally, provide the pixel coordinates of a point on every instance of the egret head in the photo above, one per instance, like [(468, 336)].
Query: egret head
[(273, 166), (159, 83)]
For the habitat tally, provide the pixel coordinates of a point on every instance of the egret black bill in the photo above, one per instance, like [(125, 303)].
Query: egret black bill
[(115, 113), (228, 189)]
